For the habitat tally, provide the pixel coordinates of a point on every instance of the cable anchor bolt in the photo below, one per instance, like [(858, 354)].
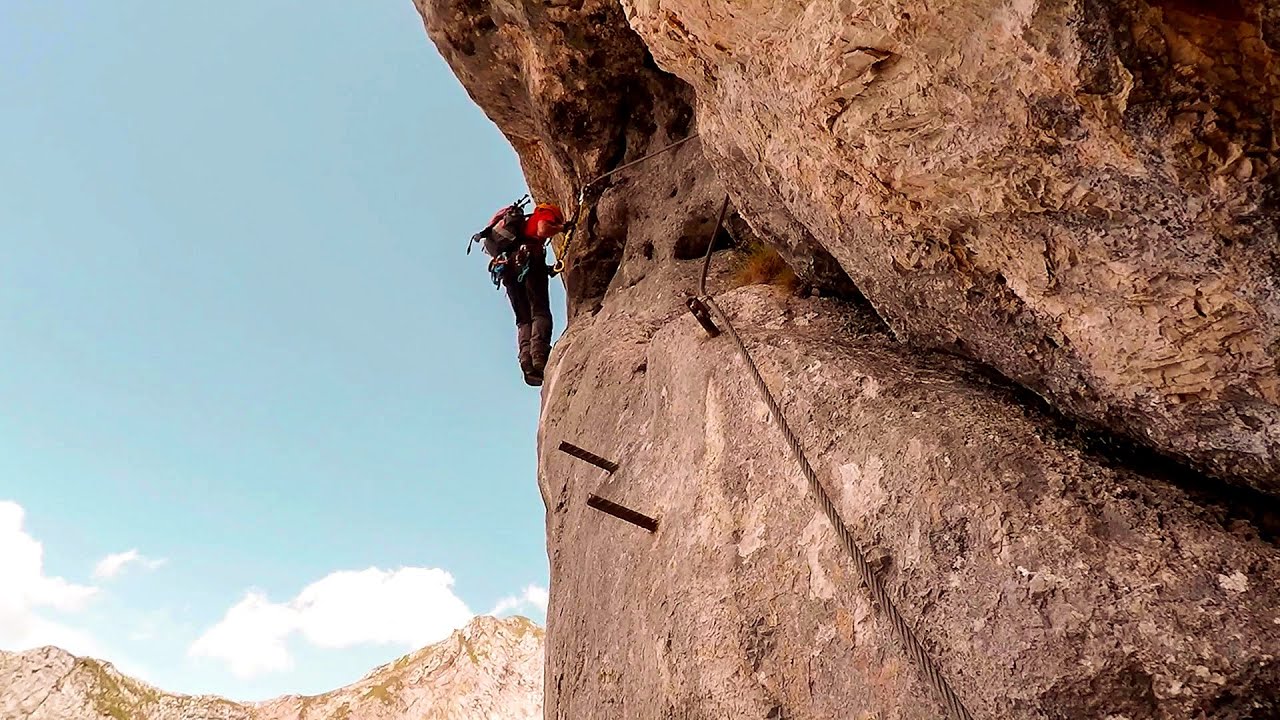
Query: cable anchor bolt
[(703, 315)]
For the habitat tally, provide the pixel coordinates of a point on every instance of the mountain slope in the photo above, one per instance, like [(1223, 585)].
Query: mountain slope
[(490, 669)]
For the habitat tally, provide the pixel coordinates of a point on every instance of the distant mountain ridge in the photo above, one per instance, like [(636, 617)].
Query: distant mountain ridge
[(489, 670)]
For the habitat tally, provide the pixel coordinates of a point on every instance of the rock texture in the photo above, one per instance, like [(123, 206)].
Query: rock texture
[(1081, 194), (490, 670), (577, 94), (1056, 199), (1049, 583)]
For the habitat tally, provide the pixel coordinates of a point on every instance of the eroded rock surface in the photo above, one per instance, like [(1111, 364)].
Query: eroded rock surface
[(577, 93), (1047, 583), (1081, 194), (1078, 197)]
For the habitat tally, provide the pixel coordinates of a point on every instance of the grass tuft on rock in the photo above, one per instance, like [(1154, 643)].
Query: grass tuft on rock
[(757, 263)]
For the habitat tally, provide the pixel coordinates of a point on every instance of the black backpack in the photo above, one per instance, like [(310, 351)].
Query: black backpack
[(502, 234)]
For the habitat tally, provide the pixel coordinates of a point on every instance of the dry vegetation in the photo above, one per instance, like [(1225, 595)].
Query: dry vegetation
[(757, 263)]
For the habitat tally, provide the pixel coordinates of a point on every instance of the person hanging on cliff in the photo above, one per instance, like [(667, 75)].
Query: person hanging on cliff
[(517, 245)]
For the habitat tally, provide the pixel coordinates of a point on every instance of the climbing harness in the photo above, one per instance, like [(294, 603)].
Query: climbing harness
[(498, 266), (955, 708), (502, 259), (563, 252)]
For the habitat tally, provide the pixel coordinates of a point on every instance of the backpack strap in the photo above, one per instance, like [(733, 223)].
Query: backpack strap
[(501, 230), (497, 222)]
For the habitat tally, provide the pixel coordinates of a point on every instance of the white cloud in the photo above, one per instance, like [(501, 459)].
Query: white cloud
[(251, 637), (532, 596), (538, 596), (112, 565), (25, 590), (411, 607)]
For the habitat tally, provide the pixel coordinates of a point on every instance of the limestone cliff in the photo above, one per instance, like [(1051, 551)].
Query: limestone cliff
[(490, 670), (1040, 379), (1081, 194)]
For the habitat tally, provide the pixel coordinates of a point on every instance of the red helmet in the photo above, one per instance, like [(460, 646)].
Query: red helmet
[(548, 211), (544, 212)]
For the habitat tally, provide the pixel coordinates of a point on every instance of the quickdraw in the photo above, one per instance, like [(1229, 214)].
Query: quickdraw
[(498, 266)]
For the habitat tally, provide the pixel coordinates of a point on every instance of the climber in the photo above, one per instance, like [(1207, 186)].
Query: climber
[(517, 245)]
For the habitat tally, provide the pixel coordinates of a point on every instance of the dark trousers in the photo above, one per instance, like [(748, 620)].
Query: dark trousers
[(531, 302)]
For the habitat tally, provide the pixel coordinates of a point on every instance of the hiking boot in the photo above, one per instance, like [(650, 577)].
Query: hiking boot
[(532, 377)]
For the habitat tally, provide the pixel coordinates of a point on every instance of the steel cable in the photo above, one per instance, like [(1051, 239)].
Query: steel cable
[(879, 594), (563, 253)]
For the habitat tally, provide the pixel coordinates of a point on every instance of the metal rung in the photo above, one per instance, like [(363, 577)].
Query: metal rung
[(622, 513), (607, 465)]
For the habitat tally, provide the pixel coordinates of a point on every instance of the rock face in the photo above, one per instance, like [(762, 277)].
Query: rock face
[(1081, 194), (577, 93), (1048, 583), (490, 670), (1052, 226)]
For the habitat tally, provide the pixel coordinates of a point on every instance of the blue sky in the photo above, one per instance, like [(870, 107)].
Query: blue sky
[(239, 337)]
